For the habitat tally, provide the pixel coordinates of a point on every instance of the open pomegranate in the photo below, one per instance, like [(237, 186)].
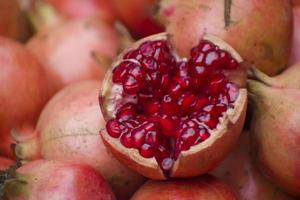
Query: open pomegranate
[(5, 163), (168, 116)]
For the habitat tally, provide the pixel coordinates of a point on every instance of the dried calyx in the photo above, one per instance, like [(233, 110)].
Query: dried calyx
[(158, 106)]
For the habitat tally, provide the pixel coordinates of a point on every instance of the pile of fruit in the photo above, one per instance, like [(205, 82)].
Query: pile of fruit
[(149, 99)]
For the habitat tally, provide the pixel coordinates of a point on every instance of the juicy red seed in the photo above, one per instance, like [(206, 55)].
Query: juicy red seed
[(130, 124), (123, 115), (165, 82), (169, 106), (121, 70), (138, 135), (189, 136), (133, 54), (175, 90), (130, 85), (208, 120), (183, 82), (200, 103), (149, 64), (198, 58), (152, 138), (127, 140), (155, 79), (137, 72), (211, 58), (199, 71), (216, 84), (168, 126), (147, 151), (167, 164), (233, 64), (203, 133), (182, 70), (146, 49), (233, 92), (114, 128), (186, 101), (151, 107)]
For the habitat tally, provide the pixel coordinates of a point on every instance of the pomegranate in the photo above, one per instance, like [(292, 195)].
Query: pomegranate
[(68, 129), (276, 144), (295, 2), (238, 171), (23, 92), (295, 54), (199, 188), (74, 51), (168, 116), (44, 180), (79, 9), (259, 30), (5, 163), (137, 15)]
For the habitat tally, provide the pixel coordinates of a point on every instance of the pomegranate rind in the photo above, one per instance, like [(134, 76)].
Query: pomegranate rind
[(211, 151)]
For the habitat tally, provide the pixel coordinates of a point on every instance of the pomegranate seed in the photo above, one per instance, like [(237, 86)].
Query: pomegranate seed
[(169, 106), (151, 107), (233, 92), (149, 64), (203, 133), (200, 103), (165, 82), (114, 128), (130, 85), (167, 164), (186, 101), (168, 126), (127, 140), (133, 54), (208, 120), (146, 151), (138, 135), (233, 64), (188, 137), (216, 84), (146, 49), (152, 138)]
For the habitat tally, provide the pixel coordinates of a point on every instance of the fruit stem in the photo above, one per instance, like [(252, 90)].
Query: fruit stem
[(28, 149)]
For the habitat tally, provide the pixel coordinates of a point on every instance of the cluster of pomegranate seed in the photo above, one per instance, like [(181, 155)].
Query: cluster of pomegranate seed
[(177, 103)]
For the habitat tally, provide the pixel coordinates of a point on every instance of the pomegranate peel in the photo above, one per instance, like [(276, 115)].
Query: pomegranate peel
[(119, 101)]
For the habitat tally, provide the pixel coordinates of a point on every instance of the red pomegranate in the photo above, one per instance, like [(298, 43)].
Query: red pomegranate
[(24, 91), (68, 130), (259, 30), (168, 116), (275, 126), (44, 180), (201, 188), (5, 163), (138, 16), (79, 9), (74, 51), (239, 172)]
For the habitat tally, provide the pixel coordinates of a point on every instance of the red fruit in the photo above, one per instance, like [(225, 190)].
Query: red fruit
[(68, 130), (13, 23), (275, 127), (79, 9), (46, 180), (5, 163), (201, 188), (259, 30), (190, 129), (295, 2), (295, 54), (137, 16), (238, 171), (74, 51), (23, 91)]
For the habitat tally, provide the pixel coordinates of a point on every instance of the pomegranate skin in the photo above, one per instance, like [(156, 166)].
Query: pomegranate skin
[(79, 9), (23, 92), (238, 171), (137, 16), (259, 30), (5, 163), (275, 133), (57, 180), (295, 54), (68, 130), (75, 50), (199, 188)]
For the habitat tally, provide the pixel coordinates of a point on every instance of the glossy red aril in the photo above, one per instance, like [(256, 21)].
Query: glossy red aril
[(178, 104)]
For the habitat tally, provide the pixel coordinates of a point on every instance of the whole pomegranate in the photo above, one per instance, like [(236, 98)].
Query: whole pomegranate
[(259, 30), (238, 171), (5, 163), (199, 188), (13, 23), (168, 116), (75, 50), (138, 16), (24, 91), (295, 54), (44, 180), (79, 9), (68, 130), (275, 126)]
